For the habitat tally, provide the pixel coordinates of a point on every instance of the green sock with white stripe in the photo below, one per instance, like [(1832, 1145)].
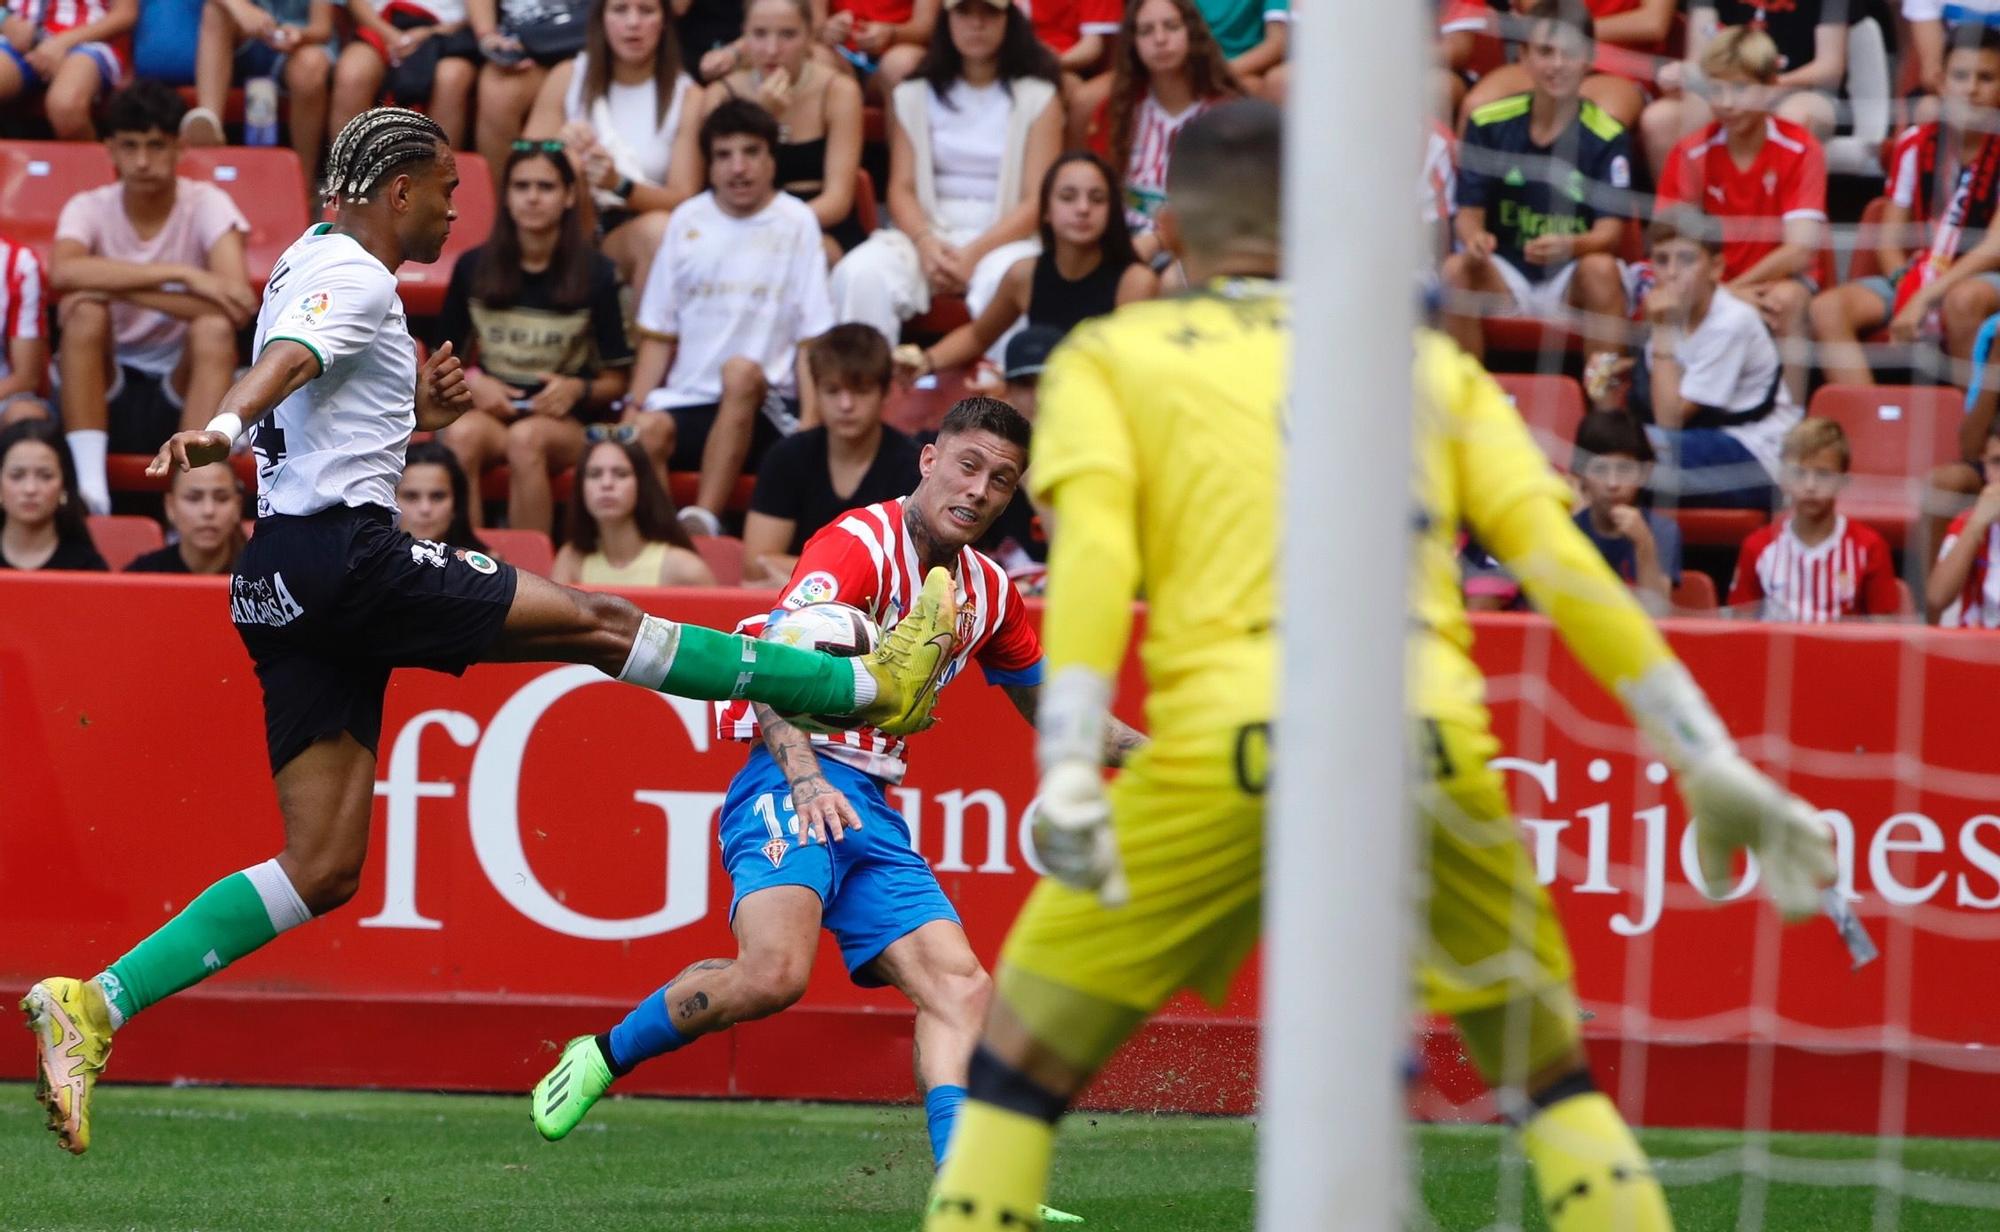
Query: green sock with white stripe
[(698, 662), (229, 919)]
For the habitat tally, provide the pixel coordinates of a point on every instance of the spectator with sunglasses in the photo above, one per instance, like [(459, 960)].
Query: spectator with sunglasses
[(535, 311), (622, 528)]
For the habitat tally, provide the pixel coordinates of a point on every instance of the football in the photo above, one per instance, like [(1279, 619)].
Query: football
[(831, 628)]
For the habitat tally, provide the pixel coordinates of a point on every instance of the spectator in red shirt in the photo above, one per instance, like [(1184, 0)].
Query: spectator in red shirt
[(1963, 591), (1813, 564), (74, 53), (1078, 31), (1629, 34), (884, 40), (24, 334), (1765, 178), (1944, 175)]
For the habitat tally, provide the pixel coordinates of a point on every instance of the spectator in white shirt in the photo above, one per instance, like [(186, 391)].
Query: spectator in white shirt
[(739, 283)]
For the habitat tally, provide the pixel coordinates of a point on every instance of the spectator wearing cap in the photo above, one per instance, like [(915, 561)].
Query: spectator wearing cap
[(1021, 376), (849, 461), (1086, 268), (971, 134), (1018, 539)]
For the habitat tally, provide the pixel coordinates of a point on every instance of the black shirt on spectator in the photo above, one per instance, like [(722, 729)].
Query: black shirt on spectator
[(76, 555), (1790, 23), (1530, 190), (794, 481), (161, 560), (531, 335)]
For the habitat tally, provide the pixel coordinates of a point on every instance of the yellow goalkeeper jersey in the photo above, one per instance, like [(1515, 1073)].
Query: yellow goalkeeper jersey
[(1158, 445), (1477, 469)]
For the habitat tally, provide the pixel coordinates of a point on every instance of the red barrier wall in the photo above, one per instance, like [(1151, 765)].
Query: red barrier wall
[(543, 856)]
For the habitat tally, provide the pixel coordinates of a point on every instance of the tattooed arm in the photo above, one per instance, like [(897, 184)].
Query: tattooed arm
[(823, 812), (1120, 741)]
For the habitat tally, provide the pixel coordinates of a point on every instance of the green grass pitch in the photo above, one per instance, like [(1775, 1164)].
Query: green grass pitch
[(208, 1158)]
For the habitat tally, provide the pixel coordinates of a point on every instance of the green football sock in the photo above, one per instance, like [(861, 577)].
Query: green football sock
[(229, 919), (699, 662)]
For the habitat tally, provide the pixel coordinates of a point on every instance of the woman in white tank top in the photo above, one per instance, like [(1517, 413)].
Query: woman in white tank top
[(971, 135), (621, 108)]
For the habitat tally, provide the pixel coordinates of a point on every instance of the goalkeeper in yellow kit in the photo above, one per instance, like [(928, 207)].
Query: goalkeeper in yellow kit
[(1159, 447)]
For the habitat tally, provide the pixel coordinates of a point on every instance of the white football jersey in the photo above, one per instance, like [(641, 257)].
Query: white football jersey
[(339, 439)]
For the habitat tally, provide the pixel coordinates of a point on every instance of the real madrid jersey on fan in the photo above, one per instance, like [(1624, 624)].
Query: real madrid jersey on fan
[(339, 439)]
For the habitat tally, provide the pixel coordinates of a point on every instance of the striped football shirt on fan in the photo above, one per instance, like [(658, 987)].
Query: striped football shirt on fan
[(21, 298), (1848, 573), (864, 558), (1978, 604)]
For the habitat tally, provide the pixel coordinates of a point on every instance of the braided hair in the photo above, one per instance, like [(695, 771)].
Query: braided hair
[(375, 143)]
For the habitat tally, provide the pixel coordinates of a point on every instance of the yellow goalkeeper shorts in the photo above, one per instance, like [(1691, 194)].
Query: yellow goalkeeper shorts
[(1189, 815), (1493, 937)]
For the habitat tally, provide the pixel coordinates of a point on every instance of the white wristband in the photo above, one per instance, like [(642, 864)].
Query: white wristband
[(228, 423)]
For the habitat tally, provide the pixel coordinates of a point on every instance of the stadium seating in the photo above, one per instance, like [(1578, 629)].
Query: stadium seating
[(921, 407), (268, 185), (1898, 434), (37, 178), (724, 556), (523, 549), (1695, 594), (1717, 528), (869, 216), (121, 537), (1552, 406)]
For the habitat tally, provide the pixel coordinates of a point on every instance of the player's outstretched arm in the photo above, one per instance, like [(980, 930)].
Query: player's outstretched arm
[(279, 372), (1516, 506), (1120, 740)]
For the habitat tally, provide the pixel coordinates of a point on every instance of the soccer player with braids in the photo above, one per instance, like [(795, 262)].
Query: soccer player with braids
[(330, 597), (1155, 885)]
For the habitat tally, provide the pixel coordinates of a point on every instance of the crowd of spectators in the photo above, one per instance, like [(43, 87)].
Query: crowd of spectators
[(691, 281)]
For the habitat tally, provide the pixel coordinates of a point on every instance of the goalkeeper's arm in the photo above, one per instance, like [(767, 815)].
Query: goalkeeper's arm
[(1528, 528)]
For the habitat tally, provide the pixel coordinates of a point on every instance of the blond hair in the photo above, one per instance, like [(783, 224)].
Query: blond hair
[(1741, 50), (1812, 434)]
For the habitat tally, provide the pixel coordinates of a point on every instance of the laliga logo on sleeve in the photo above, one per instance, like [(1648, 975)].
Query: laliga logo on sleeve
[(312, 308), (816, 587)]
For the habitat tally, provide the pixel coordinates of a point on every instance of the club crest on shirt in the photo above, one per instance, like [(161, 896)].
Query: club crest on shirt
[(775, 850), (312, 308), (818, 586), (480, 561)]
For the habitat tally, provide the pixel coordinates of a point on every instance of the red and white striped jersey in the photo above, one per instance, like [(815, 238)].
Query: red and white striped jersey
[(60, 16), (21, 298), (865, 558), (1978, 604), (1848, 573)]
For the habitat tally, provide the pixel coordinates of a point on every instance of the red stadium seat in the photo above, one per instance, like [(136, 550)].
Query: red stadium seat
[(1718, 528), (523, 549), (1552, 406), (947, 313), (683, 485), (1696, 592), (1529, 336), (37, 178), (921, 409), (724, 555), (121, 537), (268, 185), (1897, 433)]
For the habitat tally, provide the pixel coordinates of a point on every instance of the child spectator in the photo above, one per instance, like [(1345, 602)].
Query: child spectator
[(515, 70), (849, 461), (421, 55), (1630, 34), (1168, 70), (24, 334), (884, 40), (154, 288), (205, 509), (285, 40), (740, 282), (969, 139), (622, 528), (1930, 22), (1945, 173), (535, 308), (818, 109), (73, 53), (1612, 462), (1963, 590), (1765, 177), (1541, 179), (433, 498), (1809, 50), (1709, 380), (624, 110), (41, 516), (1086, 268), (1254, 34), (1078, 31), (1812, 564)]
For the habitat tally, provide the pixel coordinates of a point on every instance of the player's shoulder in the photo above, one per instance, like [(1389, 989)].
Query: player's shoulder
[(870, 526)]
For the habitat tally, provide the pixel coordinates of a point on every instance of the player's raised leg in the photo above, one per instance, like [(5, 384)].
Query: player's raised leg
[(891, 688), (777, 935)]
